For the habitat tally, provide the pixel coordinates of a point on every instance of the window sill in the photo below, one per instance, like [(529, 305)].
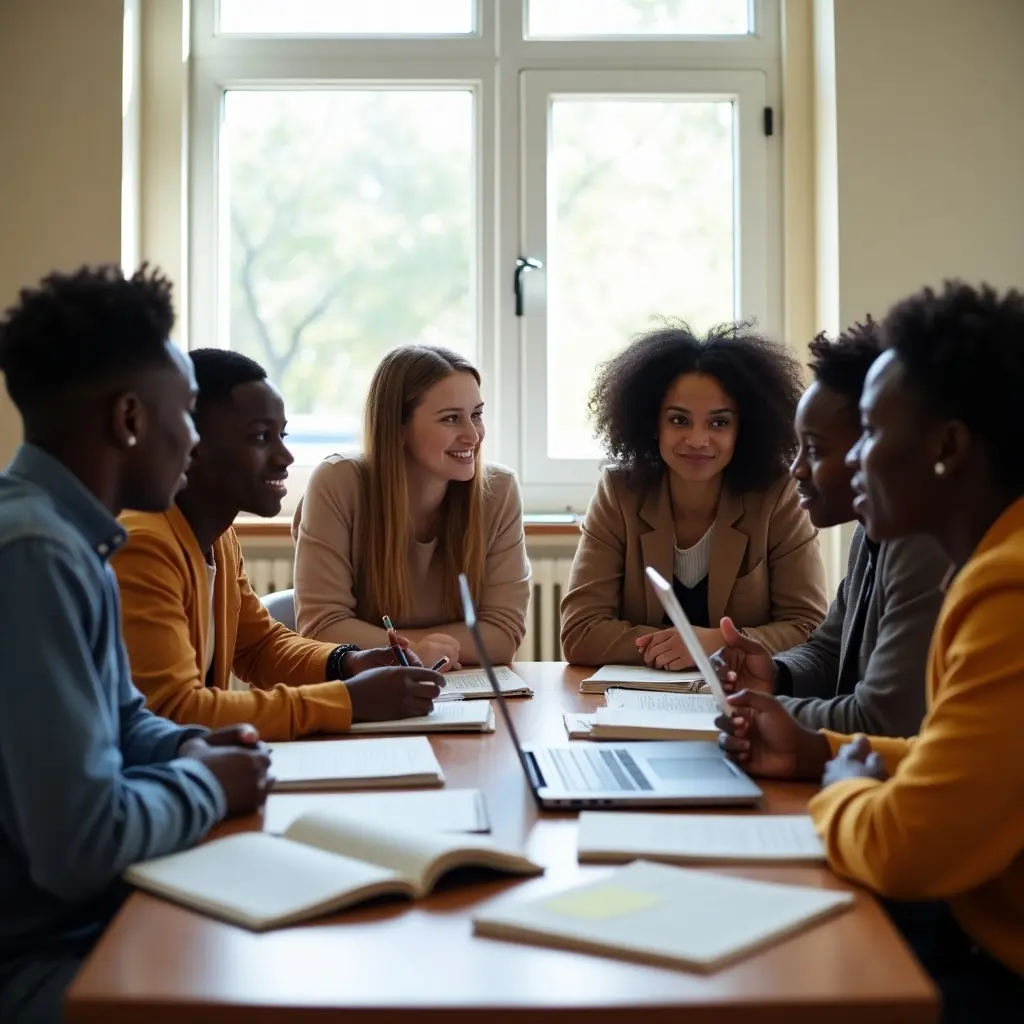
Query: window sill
[(280, 529)]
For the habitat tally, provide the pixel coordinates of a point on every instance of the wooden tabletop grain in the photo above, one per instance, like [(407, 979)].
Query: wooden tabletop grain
[(393, 961)]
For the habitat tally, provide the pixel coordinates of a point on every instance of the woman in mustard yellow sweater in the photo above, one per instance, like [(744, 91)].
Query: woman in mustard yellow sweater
[(935, 823)]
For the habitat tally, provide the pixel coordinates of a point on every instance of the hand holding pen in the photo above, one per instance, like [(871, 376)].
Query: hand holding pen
[(396, 647)]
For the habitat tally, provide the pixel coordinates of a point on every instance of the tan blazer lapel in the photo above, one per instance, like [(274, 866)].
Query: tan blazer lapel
[(658, 544), (728, 546)]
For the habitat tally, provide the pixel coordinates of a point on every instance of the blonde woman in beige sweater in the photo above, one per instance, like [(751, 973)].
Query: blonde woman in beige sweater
[(388, 532)]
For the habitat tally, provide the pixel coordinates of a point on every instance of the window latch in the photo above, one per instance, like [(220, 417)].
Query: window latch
[(523, 263)]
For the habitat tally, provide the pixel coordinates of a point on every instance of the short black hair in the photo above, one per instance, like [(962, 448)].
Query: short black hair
[(843, 364), (757, 373), (963, 349), (83, 327), (219, 371)]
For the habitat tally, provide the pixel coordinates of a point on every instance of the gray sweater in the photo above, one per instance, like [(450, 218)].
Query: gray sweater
[(902, 599), (90, 781)]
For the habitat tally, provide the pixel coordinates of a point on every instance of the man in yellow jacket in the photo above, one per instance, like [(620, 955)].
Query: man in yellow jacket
[(934, 823), (190, 617)]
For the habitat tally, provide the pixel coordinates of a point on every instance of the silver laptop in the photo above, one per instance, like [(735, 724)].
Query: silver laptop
[(593, 776)]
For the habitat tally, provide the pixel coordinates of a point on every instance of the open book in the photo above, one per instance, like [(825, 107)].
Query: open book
[(633, 724), (453, 716), (639, 677), (355, 764), (469, 683), (614, 837), (322, 864), (659, 914)]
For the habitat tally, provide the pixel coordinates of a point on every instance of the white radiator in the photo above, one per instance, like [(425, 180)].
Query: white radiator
[(269, 574), (541, 643)]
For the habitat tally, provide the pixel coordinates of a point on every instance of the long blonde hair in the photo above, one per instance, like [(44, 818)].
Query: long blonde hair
[(399, 383)]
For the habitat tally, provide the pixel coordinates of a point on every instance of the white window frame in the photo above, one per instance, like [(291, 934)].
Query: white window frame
[(491, 61)]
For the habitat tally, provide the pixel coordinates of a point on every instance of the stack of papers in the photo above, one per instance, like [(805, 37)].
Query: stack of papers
[(639, 677)]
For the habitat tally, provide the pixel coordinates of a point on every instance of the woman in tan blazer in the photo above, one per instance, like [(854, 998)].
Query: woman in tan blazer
[(699, 432), (388, 532)]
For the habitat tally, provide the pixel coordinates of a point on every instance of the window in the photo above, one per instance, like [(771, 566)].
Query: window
[(346, 17), (571, 19), (367, 175)]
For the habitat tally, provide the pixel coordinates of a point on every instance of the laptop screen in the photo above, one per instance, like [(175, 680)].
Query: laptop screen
[(469, 611)]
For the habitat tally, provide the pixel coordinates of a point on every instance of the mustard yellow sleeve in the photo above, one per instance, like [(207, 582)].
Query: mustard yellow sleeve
[(164, 665), (892, 749), (950, 818)]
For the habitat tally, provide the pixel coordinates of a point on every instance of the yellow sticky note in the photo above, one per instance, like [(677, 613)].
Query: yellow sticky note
[(601, 901)]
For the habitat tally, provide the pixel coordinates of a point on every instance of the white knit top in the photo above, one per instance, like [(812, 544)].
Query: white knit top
[(691, 564)]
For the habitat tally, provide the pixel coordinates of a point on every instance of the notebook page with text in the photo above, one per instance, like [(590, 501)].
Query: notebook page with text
[(405, 760), (655, 700), (452, 716), (473, 682), (616, 837)]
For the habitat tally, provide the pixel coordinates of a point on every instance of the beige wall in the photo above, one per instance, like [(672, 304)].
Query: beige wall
[(60, 145), (930, 146)]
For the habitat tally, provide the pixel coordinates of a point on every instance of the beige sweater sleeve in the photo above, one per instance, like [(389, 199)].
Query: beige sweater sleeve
[(325, 532)]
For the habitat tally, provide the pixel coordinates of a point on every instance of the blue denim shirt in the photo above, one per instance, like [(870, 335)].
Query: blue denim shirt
[(90, 781)]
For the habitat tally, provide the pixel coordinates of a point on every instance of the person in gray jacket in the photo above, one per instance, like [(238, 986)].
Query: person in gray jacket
[(90, 781), (863, 668)]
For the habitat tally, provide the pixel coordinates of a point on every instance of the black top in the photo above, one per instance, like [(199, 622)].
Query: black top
[(694, 601)]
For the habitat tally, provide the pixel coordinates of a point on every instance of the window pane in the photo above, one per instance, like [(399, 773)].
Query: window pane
[(640, 226), (573, 19), (350, 221), (347, 17)]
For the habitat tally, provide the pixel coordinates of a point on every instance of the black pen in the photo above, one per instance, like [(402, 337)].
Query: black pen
[(396, 647)]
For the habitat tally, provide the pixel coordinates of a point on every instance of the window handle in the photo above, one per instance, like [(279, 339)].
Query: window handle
[(523, 263)]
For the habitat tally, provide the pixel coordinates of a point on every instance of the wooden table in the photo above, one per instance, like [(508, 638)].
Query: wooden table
[(162, 964)]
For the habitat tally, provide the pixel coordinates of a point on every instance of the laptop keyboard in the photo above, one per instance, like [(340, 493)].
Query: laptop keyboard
[(599, 771)]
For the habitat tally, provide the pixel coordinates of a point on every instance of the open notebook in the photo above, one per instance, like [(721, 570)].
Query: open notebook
[(355, 764), (659, 914), (471, 683), (633, 724), (452, 716), (639, 677), (322, 864), (613, 837)]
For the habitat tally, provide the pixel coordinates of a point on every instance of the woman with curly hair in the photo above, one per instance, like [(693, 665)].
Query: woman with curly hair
[(699, 431)]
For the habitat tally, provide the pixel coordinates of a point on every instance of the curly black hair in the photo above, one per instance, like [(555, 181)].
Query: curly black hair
[(843, 364), (219, 371), (963, 350), (759, 375), (76, 329)]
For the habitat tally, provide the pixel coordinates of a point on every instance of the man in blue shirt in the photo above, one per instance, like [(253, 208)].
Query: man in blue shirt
[(90, 781)]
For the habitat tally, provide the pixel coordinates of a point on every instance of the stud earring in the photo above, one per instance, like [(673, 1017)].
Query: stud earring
[(940, 469), (132, 440)]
